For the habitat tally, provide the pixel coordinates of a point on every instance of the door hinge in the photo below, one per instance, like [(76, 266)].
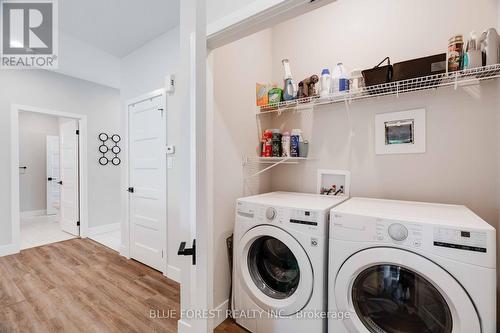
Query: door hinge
[(162, 254), (77, 132), (77, 223)]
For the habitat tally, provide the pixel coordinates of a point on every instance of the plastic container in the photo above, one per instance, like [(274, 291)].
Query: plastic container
[(285, 144), (295, 140), (326, 83), (340, 79), (276, 143), (267, 144)]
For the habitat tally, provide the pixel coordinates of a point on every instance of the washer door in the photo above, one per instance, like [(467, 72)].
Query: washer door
[(276, 271), (396, 291)]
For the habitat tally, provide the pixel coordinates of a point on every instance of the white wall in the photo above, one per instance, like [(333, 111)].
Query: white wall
[(33, 131), (462, 125), (143, 71), (84, 61), (54, 91)]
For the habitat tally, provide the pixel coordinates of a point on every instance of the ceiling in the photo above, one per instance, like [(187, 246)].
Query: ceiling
[(117, 26)]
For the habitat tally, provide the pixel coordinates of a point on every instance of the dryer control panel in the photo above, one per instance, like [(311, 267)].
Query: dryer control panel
[(459, 239)]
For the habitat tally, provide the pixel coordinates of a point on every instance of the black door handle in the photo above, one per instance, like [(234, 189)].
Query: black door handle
[(183, 251), (50, 179), (60, 182), (130, 190)]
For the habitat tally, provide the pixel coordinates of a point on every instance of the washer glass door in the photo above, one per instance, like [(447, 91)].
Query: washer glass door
[(394, 299), (273, 267), (275, 270)]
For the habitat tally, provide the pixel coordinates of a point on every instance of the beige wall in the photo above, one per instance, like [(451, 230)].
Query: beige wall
[(457, 168), (236, 68), (462, 161)]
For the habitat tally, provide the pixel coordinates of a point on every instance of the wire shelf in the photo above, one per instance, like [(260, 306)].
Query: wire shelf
[(453, 79)]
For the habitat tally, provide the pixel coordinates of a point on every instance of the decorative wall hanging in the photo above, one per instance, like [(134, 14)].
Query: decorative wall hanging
[(109, 146)]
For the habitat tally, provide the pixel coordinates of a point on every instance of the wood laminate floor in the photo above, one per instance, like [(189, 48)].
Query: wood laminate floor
[(82, 286)]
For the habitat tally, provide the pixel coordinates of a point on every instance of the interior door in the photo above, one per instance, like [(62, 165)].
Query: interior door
[(69, 175), (147, 163), (53, 162)]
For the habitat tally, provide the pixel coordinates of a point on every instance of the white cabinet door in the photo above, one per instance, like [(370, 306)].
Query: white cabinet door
[(53, 190), (70, 213), (147, 172)]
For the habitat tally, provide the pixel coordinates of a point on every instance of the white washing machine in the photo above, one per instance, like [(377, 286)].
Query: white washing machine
[(280, 258), (411, 267)]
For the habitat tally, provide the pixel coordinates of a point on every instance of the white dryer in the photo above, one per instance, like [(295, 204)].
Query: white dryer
[(411, 267), (280, 258)]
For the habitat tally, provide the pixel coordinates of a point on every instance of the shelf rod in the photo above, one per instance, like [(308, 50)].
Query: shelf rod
[(268, 168)]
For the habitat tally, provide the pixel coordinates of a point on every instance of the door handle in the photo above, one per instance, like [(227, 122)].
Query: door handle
[(50, 179), (183, 251), (130, 190), (60, 182)]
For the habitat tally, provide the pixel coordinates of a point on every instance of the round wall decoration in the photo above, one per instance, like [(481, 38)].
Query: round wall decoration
[(109, 149)]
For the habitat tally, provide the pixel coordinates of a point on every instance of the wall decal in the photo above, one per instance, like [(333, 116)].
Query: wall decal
[(108, 148)]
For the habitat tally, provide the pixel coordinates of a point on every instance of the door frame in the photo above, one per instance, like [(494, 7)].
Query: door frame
[(125, 246), (197, 94), (245, 21), (47, 190), (14, 168)]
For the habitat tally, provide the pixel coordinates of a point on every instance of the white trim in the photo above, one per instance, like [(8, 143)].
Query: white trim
[(103, 229), (125, 246), (33, 213), (256, 16), (222, 313), (184, 327), (7, 250), (14, 168), (173, 273)]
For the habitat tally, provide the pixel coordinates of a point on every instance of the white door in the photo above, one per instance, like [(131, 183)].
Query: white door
[(69, 176), (147, 181), (53, 190)]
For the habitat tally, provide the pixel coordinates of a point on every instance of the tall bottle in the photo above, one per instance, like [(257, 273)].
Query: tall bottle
[(340, 79), (326, 83), (289, 92)]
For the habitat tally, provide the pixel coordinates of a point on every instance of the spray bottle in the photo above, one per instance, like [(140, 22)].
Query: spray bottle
[(289, 92)]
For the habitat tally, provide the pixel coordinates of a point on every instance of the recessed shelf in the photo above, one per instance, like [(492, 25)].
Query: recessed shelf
[(453, 79)]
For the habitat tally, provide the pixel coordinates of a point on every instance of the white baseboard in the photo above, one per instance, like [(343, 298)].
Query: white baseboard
[(124, 251), (33, 213), (7, 250), (103, 229), (184, 327), (221, 309), (173, 273)]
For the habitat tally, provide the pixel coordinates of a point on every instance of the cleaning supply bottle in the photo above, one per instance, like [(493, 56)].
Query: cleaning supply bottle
[(285, 144), (289, 86), (295, 140), (340, 79), (326, 83)]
